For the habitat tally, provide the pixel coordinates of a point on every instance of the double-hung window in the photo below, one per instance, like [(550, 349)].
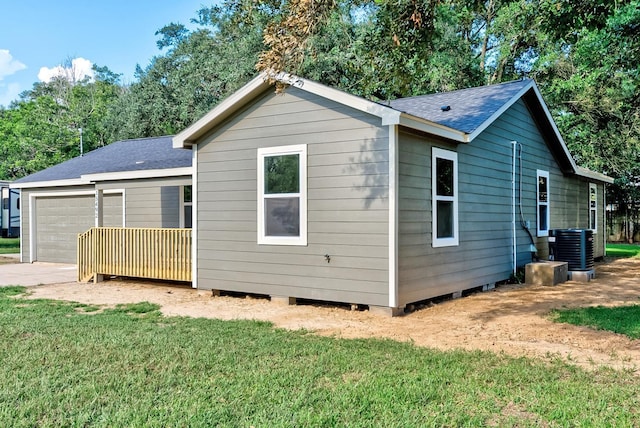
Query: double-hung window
[(282, 195), (444, 189), (542, 192), (593, 207)]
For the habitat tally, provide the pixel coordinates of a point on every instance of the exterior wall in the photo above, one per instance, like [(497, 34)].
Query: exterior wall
[(153, 207), (347, 194), (151, 202), (484, 254)]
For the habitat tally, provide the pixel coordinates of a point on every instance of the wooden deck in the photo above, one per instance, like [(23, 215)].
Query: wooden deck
[(152, 253)]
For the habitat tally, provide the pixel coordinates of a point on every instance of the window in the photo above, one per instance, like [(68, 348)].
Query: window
[(187, 206), (543, 203), (444, 189), (593, 207), (282, 195)]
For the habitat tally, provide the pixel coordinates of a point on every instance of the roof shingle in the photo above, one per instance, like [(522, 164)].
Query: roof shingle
[(469, 108), (128, 155)]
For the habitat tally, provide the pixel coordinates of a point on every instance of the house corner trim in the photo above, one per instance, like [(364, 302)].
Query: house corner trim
[(194, 217), (393, 216)]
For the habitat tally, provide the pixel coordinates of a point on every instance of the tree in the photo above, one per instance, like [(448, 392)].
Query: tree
[(42, 128), (198, 69)]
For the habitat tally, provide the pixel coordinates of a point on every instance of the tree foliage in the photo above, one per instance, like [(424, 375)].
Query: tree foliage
[(43, 127)]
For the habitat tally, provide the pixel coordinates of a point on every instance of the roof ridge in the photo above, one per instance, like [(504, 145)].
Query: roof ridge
[(140, 139)]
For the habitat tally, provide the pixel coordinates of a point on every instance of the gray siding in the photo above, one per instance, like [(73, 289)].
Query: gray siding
[(153, 206), (484, 255), (347, 155), (151, 202)]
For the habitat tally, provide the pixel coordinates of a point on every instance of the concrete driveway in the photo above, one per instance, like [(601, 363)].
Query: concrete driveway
[(37, 273)]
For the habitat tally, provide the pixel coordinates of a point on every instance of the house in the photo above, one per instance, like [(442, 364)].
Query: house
[(319, 194), (133, 183), (9, 211)]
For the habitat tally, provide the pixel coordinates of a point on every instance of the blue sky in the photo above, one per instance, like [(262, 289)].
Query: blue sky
[(119, 34)]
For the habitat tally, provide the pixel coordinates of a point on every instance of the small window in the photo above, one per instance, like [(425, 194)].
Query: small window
[(282, 195), (187, 206), (444, 189), (593, 207), (543, 203)]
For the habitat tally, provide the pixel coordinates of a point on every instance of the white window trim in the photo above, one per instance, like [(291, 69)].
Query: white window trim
[(183, 204), (452, 156), (540, 232), (593, 210), (300, 149)]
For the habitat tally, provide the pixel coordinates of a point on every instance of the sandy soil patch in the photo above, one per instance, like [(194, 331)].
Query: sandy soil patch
[(510, 319), (5, 260)]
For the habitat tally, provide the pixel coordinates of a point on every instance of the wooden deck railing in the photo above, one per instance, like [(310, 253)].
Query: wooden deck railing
[(134, 252)]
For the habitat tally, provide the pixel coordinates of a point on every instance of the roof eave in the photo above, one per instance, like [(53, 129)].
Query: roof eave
[(339, 96), (592, 175), (138, 174), (108, 176), (49, 183), (258, 85), (433, 128)]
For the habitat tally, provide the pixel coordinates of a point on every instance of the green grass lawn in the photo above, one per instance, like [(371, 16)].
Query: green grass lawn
[(67, 364), (624, 320), (9, 245), (623, 250)]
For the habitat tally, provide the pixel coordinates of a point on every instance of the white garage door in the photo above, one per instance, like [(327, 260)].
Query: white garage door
[(59, 219)]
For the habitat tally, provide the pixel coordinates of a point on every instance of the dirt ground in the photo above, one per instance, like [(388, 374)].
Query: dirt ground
[(511, 319)]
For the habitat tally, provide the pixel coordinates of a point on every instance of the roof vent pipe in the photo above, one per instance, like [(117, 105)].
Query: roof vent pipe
[(445, 108)]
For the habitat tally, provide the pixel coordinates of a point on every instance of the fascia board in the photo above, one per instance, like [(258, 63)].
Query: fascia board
[(592, 175), (108, 176), (52, 183), (338, 96), (133, 175), (432, 128)]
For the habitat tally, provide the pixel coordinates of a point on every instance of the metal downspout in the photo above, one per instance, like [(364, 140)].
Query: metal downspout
[(513, 204)]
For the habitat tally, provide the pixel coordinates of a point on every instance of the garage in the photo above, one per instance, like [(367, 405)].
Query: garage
[(59, 220), (143, 185)]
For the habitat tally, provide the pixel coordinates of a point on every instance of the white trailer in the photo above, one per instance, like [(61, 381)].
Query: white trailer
[(9, 211)]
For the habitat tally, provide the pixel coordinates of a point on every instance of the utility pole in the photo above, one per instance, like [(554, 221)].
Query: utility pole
[(81, 148)]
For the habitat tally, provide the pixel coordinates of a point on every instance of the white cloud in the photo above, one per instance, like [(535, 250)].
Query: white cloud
[(9, 65), (9, 93), (78, 70)]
